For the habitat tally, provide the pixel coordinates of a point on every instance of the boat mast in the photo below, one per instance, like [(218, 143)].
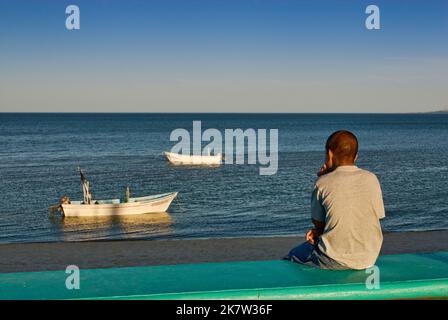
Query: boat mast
[(85, 188)]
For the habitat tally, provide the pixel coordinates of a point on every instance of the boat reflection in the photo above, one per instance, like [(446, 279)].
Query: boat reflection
[(149, 225)]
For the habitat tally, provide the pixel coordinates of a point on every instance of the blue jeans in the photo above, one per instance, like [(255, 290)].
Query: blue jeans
[(304, 254), (310, 255)]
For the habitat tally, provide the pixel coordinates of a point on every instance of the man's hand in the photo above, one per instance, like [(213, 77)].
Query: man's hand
[(326, 168), (322, 171), (312, 235), (328, 165)]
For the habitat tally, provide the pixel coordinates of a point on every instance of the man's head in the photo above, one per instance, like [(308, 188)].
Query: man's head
[(342, 148)]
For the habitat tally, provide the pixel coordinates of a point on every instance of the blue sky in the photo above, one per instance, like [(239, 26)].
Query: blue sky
[(224, 56)]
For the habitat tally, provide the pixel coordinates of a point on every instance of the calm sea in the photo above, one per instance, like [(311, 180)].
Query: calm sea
[(40, 153)]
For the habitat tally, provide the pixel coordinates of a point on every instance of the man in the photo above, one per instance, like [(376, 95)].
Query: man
[(346, 207)]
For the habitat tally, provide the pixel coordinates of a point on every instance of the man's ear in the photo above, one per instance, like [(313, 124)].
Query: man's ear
[(330, 155), (356, 158)]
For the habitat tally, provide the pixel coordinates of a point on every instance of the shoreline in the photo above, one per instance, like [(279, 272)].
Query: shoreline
[(196, 238), (25, 257)]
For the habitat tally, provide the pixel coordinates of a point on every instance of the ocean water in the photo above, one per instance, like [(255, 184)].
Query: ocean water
[(40, 153)]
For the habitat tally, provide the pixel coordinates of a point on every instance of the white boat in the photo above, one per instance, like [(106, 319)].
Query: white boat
[(130, 206), (150, 204), (182, 159)]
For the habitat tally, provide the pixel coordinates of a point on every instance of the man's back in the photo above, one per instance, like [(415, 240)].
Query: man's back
[(349, 201)]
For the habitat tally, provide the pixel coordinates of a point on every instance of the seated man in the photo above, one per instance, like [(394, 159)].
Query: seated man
[(346, 207)]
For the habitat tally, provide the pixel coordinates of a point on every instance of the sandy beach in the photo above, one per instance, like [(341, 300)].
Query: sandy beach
[(107, 254)]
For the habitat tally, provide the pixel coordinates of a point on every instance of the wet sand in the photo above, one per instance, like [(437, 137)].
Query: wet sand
[(126, 253)]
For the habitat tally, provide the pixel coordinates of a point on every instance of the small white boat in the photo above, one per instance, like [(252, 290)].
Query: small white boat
[(181, 159), (130, 206), (150, 204)]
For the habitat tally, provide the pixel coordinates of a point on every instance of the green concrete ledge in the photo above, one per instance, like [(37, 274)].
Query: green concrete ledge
[(402, 276)]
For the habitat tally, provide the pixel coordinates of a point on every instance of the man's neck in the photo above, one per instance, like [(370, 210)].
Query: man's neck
[(343, 164)]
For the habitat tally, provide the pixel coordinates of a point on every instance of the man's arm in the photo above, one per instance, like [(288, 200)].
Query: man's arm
[(319, 225), (317, 216)]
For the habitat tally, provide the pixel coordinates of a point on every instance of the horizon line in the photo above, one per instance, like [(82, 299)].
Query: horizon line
[(213, 112)]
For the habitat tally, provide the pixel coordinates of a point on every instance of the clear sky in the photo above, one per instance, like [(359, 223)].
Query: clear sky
[(224, 56)]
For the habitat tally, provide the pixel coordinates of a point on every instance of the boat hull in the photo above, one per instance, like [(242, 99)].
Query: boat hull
[(156, 205), (181, 159)]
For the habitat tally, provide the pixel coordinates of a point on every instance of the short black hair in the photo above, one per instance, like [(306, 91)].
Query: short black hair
[(343, 144)]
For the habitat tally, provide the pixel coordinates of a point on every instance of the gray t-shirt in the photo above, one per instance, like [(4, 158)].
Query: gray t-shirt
[(350, 202)]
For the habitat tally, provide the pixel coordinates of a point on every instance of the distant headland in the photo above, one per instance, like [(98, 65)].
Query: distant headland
[(439, 111)]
